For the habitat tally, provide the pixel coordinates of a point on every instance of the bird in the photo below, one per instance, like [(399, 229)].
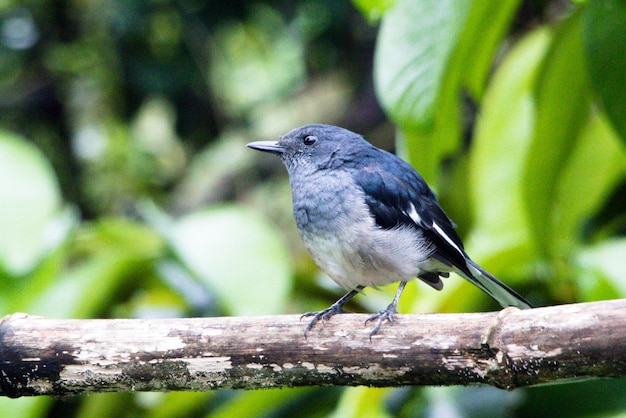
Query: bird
[(368, 219)]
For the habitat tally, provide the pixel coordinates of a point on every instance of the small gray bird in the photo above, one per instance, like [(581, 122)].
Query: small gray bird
[(369, 219)]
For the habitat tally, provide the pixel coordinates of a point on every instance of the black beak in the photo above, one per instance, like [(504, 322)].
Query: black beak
[(267, 146)]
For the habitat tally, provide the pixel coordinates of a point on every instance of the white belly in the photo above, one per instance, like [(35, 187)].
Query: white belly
[(375, 257)]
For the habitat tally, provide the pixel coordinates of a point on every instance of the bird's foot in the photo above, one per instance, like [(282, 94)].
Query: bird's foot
[(380, 317), (324, 315), (334, 309)]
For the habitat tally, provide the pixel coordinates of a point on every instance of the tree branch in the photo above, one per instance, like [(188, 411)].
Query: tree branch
[(507, 349)]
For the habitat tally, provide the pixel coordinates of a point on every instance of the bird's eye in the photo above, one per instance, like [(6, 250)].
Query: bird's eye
[(309, 140)]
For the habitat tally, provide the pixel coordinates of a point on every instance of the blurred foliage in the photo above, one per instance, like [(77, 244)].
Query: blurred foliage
[(127, 190)]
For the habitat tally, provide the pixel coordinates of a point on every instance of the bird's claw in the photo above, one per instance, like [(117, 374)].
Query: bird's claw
[(323, 315), (380, 317)]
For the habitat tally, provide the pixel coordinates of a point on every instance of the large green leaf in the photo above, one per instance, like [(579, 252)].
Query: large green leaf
[(594, 167), (488, 21), (500, 238), (32, 220), (237, 254), (563, 102), (424, 148), (503, 133), (426, 50), (604, 34), (413, 52), (415, 43)]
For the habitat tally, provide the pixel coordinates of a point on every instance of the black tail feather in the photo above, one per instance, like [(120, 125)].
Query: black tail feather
[(503, 294)]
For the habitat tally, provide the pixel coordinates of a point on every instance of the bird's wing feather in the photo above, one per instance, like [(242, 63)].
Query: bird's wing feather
[(402, 197)]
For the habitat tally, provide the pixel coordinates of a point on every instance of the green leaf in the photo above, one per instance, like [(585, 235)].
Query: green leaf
[(600, 398), (425, 148), (604, 269), (373, 10), (362, 402), (563, 103), (487, 23), (177, 404), (503, 133), (31, 217), (238, 255), (595, 165), (426, 49), (106, 405), (414, 82), (415, 44), (116, 251), (604, 34), (500, 238), (260, 403), (26, 407), (83, 291)]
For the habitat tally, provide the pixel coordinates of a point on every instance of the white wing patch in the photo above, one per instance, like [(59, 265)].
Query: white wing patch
[(446, 237), (413, 214)]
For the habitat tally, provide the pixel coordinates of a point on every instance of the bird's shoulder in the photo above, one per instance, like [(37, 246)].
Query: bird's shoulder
[(391, 186), (397, 195)]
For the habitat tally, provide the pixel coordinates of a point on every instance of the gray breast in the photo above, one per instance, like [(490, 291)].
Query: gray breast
[(340, 233)]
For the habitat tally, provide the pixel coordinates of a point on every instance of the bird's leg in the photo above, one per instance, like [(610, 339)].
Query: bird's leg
[(388, 313), (335, 308)]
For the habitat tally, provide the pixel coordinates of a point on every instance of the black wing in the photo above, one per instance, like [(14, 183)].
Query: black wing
[(397, 195)]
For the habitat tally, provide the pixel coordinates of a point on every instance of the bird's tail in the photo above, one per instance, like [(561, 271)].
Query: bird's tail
[(503, 294)]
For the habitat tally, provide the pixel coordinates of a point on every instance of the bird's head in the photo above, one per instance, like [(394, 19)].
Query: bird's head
[(314, 147)]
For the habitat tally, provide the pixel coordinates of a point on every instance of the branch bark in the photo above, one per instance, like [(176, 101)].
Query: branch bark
[(507, 349)]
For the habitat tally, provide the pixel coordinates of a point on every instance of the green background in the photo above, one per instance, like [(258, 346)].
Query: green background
[(127, 191)]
